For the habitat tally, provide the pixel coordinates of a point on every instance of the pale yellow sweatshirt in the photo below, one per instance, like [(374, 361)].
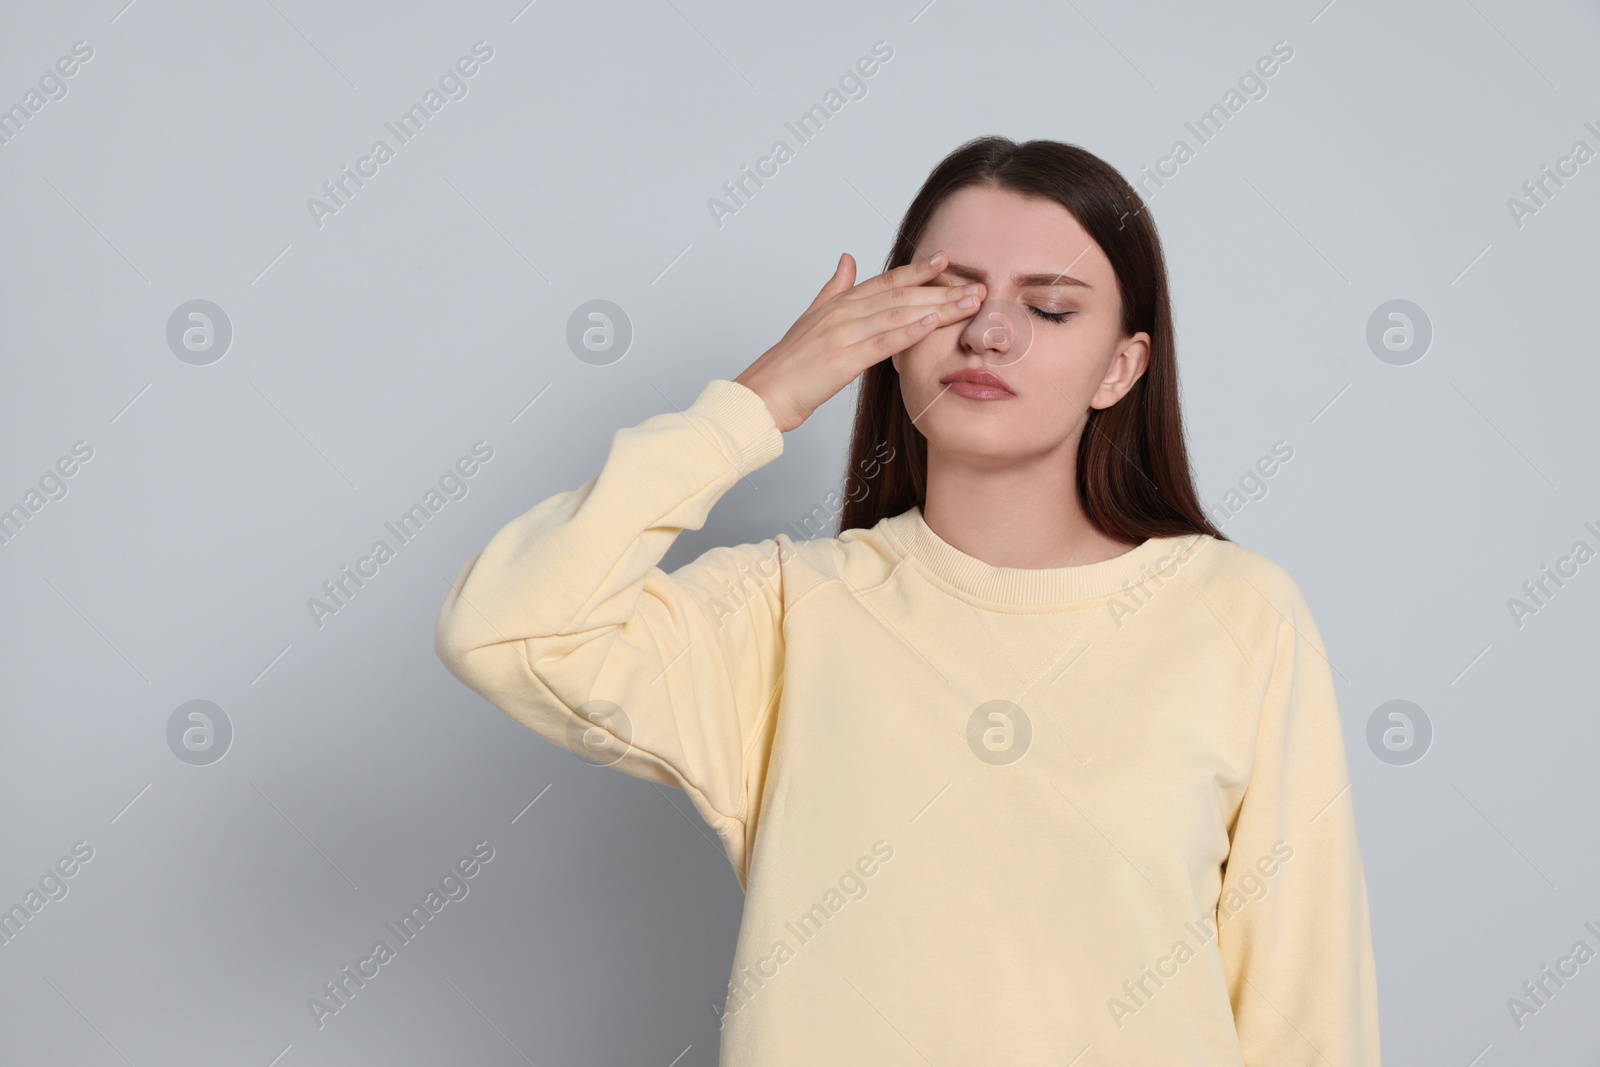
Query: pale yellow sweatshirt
[(1094, 815)]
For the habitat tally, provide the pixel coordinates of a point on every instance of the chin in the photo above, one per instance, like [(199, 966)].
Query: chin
[(972, 433)]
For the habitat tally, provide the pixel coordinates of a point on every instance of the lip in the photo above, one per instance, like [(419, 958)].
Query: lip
[(977, 384)]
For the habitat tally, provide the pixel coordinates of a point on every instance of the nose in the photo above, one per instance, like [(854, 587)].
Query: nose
[(1000, 331)]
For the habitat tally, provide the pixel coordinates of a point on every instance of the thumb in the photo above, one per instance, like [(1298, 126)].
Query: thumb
[(844, 276)]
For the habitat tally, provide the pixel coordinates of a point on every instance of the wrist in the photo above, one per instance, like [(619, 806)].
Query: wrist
[(781, 417)]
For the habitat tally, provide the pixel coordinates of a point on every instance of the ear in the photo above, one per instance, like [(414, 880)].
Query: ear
[(1126, 368)]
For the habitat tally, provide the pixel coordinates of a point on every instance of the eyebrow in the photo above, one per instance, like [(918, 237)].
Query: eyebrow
[(1023, 281)]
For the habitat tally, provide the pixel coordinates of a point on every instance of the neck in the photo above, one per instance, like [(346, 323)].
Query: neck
[(1023, 514)]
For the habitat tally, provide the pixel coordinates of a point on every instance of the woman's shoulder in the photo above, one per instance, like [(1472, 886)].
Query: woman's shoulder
[(858, 556), (791, 563), (1222, 563), (1252, 590)]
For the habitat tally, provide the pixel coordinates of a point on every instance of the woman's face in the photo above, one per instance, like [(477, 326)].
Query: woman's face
[(1035, 261)]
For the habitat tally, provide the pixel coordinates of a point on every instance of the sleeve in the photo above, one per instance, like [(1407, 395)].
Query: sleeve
[(1292, 920), (567, 624)]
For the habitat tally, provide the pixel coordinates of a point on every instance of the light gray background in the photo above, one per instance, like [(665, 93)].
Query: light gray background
[(370, 353)]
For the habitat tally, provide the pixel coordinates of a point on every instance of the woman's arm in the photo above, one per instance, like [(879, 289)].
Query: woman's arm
[(566, 623), (1293, 925), (566, 611)]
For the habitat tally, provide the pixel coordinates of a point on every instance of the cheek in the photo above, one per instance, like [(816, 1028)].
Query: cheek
[(909, 360), (1049, 414)]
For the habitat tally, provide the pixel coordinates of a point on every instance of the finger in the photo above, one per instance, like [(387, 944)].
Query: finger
[(917, 272), (880, 346), (918, 295), (896, 328)]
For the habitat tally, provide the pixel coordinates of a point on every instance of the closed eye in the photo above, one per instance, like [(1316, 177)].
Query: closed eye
[(1050, 316)]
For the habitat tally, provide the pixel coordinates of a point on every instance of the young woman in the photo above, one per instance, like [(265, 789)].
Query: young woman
[(1029, 764)]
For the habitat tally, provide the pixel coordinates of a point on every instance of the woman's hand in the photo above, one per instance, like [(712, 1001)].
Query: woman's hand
[(850, 327)]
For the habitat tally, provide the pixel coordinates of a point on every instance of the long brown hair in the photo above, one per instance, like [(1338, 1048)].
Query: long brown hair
[(1133, 474)]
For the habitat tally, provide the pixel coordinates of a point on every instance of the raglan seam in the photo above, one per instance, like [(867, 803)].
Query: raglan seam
[(1231, 628), (773, 700), (676, 722), (1255, 744)]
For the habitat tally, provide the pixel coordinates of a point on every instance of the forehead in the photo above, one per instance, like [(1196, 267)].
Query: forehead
[(1006, 233)]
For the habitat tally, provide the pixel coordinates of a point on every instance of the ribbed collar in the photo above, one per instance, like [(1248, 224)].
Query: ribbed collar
[(1035, 586)]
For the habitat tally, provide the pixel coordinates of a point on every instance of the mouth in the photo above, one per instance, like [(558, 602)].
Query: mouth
[(977, 385)]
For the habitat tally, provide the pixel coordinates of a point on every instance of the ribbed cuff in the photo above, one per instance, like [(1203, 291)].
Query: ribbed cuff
[(743, 417)]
